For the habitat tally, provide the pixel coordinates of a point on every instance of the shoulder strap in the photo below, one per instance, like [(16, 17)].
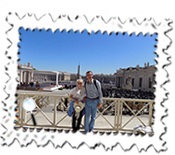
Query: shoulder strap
[(95, 84), (85, 85)]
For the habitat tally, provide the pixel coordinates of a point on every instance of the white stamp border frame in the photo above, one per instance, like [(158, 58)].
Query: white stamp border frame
[(81, 22)]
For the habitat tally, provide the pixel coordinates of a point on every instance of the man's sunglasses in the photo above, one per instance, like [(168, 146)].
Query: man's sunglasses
[(90, 75)]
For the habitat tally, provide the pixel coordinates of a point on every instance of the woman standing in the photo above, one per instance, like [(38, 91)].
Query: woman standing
[(77, 109)]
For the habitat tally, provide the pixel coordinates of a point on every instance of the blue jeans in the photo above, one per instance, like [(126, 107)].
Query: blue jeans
[(91, 109)]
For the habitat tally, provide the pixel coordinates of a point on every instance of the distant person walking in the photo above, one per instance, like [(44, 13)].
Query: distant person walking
[(93, 100), (76, 109)]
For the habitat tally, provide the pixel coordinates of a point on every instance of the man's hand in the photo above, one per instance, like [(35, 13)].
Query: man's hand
[(84, 99), (99, 105), (76, 101)]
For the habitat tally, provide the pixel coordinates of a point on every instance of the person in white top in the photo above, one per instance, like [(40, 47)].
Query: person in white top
[(77, 95)]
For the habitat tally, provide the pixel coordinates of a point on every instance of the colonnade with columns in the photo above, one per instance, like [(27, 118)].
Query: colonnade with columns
[(26, 76)]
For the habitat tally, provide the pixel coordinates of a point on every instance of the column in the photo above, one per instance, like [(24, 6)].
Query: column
[(123, 78), (60, 77), (57, 78), (21, 76), (136, 82), (121, 82), (32, 77), (29, 77), (119, 79), (134, 86), (153, 83), (146, 83)]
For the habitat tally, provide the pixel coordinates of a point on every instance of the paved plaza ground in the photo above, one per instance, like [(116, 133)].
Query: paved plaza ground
[(100, 122)]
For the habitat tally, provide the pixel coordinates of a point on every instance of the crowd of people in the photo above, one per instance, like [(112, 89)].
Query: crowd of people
[(129, 94), (122, 93), (69, 86), (28, 84)]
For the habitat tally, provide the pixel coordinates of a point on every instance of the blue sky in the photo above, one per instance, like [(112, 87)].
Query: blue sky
[(101, 53)]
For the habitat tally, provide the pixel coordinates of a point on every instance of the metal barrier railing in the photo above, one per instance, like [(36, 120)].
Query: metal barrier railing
[(116, 106)]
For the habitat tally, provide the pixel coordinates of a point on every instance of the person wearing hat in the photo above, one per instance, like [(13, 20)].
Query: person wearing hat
[(77, 108), (93, 100)]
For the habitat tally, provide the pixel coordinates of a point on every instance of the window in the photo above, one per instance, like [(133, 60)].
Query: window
[(133, 82), (150, 82), (140, 82)]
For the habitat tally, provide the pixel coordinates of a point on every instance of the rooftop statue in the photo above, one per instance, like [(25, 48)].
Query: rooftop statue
[(128, 86)]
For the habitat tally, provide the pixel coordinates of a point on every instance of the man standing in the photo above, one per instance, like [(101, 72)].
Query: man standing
[(93, 100)]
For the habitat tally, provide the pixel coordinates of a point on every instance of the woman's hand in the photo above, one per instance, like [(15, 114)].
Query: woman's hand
[(76, 101)]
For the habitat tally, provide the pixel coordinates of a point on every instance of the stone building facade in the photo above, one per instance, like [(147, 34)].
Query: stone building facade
[(142, 78), (64, 76), (104, 78)]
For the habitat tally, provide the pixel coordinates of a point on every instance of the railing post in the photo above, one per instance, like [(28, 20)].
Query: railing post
[(150, 113), (118, 113), (115, 114), (48, 101), (121, 114), (21, 108), (103, 104), (24, 115)]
